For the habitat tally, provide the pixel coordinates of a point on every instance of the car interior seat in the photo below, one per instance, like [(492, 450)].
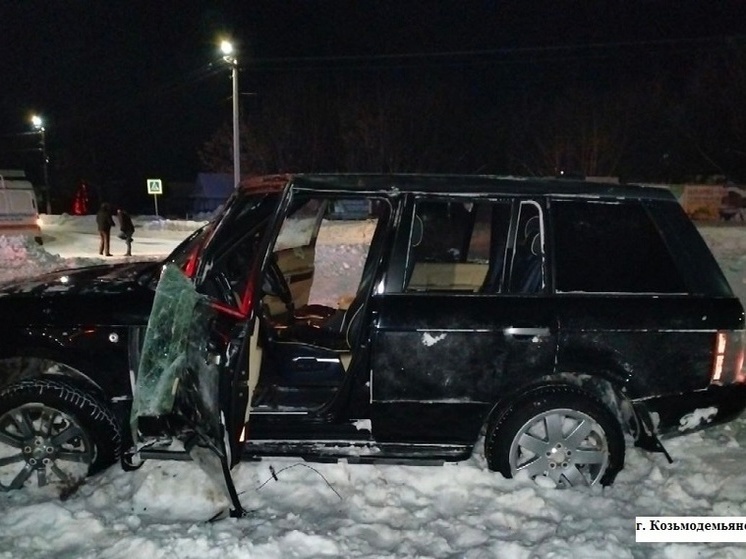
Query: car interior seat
[(526, 268), (531, 282), (335, 328)]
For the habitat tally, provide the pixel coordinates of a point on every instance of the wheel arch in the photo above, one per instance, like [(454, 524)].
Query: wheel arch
[(101, 354), (559, 399), (27, 365), (30, 367), (602, 386)]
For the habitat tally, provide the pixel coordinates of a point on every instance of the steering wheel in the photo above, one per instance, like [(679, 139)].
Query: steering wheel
[(278, 285)]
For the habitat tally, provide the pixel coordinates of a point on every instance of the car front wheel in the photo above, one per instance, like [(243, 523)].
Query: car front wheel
[(558, 434), (53, 433)]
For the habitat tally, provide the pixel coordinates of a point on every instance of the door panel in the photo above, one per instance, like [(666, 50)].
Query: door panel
[(454, 340), (466, 351), (625, 306)]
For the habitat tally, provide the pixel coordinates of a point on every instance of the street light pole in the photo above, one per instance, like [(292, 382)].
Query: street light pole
[(227, 48), (38, 123)]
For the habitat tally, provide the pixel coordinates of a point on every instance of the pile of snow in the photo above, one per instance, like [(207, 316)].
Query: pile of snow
[(344, 510), (149, 222), (727, 244), (23, 257)]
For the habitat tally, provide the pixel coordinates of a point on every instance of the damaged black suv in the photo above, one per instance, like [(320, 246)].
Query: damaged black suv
[(556, 318)]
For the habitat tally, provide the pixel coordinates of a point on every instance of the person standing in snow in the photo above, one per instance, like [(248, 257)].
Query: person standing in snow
[(126, 229), (105, 222)]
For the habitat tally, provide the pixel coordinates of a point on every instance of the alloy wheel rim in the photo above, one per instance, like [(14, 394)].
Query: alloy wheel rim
[(566, 446), (44, 445)]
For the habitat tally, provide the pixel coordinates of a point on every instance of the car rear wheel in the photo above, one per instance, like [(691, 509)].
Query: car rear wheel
[(558, 434), (52, 433)]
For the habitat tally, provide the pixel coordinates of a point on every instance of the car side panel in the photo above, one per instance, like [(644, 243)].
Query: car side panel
[(81, 331), (651, 345), (433, 351)]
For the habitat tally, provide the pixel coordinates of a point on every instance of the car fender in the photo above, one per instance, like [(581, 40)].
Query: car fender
[(98, 355), (598, 385)]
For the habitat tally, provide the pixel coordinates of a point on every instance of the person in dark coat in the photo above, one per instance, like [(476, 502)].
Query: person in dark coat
[(105, 222), (126, 229)]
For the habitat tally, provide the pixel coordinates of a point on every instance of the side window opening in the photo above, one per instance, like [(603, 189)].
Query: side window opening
[(226, 278), (499, 225), (457, 245), (313, 301), (304, 284), (527, 259), (301, 227)]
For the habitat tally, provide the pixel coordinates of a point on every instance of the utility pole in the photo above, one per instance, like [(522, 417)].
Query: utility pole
[(39, 125), (227, 48)]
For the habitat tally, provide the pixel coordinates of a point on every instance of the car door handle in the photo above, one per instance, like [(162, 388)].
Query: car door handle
[(305, 360), (525, 333)]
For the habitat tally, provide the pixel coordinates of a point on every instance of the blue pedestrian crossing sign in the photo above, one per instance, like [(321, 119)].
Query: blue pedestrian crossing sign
[(155, 186)]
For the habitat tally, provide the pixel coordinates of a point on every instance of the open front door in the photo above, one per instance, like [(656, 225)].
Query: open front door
[(184, 376), (199, 361)]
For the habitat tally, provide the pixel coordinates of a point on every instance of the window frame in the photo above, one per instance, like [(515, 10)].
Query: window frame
[(519, 203), (403, 261)]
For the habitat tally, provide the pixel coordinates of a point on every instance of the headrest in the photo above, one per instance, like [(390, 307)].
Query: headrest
[(531, 227), (536, 244)]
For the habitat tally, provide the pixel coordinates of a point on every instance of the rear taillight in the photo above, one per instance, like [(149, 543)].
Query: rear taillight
[(728, 358)]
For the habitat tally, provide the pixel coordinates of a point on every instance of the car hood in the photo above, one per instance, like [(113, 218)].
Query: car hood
[(119, 294), (102, 280)]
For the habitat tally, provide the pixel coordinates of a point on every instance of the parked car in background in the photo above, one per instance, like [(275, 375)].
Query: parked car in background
[(19, 211), (554, 317), (349, 209)]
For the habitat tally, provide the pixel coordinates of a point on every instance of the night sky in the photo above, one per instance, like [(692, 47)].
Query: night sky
[(139, 85)]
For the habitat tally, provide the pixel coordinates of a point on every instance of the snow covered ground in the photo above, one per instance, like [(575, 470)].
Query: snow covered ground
[(342, 510)]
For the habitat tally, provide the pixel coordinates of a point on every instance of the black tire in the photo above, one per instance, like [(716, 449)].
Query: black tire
[(53, 433), (559, 432)]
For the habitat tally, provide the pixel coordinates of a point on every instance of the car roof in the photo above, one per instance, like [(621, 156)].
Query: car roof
[(451, 184)]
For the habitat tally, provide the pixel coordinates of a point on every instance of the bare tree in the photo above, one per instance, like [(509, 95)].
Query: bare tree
[(363, 127), (711, 114), (287, 131), (578, 132), (388, 128)]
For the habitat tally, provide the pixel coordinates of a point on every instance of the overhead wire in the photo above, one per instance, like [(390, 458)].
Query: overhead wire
[(509, 55), (497, 56)]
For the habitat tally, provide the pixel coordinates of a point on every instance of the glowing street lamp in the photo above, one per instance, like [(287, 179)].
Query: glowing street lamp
[(226, 47), (38, 124)]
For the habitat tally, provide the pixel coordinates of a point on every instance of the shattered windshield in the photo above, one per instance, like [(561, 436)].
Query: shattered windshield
[(175, 355), (175, 349)]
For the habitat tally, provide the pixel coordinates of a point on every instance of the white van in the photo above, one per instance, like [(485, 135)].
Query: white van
[(19, 212)]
